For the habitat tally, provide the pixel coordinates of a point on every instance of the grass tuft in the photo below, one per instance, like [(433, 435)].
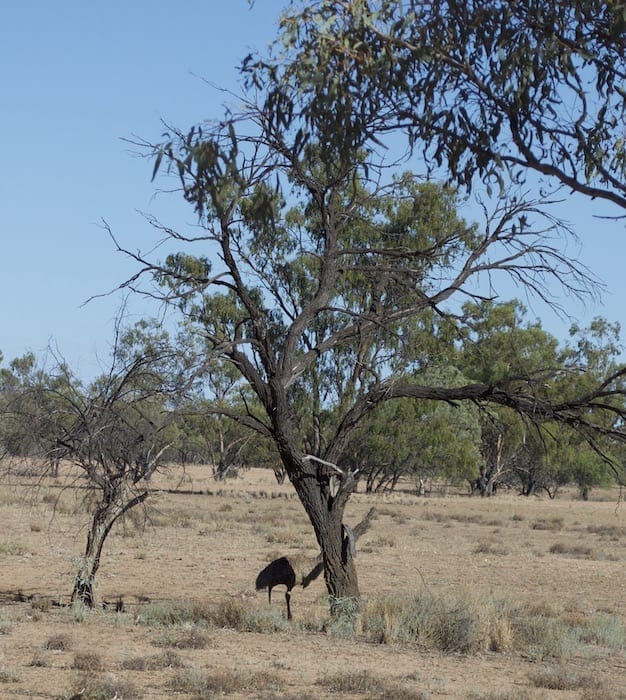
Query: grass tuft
[(461, 624), (58, 642), (9, 675), (13, 548), (559, 678), (366, 684), (191, 638), (576, 551), (555, 523), (87, 661), (108, 687), (167, 659), (202, 684)]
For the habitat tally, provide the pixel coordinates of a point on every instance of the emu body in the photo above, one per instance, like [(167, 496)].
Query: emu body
[(289, 571), (282, 572)]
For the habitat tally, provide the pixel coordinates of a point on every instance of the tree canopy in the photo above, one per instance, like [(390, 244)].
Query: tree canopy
[(332, 284), (481, 89)]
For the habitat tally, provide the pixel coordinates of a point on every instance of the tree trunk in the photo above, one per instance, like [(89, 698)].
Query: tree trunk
[(104, 517), (325, 512), (101, 525)]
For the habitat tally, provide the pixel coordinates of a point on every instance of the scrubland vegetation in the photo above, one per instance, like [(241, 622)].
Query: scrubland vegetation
[(505, 598)]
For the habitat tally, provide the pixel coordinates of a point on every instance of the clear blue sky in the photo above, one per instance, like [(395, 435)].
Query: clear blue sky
[(76, 78)]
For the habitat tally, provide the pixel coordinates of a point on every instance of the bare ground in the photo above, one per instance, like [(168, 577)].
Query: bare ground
[(205, 542)]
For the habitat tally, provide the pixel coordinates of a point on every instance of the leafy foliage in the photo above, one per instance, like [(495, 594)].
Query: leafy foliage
[(317, 270)]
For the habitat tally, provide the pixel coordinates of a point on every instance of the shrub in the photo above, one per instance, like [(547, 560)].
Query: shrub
[(548, 524), (87, 661), (174, 612), (365, 684), (454, 624), (109, 687), (487, 548), (167, 659), (573, 550), (542, 636), (192, 638), (58, 642), (559, 678), (203, 684)]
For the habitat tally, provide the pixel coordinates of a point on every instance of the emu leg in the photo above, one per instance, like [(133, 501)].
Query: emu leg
[(288, 599)]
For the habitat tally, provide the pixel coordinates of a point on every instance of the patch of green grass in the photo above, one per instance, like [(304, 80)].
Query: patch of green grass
[(603, 629)]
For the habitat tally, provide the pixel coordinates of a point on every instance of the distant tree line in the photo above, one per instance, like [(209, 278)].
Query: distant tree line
[(420, 441)]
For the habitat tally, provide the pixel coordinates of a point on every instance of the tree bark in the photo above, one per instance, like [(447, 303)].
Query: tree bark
[(325, 512), (104, 517)]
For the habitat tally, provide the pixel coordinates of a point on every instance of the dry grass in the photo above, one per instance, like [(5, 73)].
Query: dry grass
[(102, 687), (447, 599), (202, 684), (365, 683), (560, 678)]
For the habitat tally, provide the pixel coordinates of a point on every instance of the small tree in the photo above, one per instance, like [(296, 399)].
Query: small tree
[(118, 431)]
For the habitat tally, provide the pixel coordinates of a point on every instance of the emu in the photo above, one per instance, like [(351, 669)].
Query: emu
[(282, 572), (289, 571)]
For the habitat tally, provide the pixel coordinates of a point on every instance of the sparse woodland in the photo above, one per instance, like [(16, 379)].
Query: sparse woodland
[(341, 325)]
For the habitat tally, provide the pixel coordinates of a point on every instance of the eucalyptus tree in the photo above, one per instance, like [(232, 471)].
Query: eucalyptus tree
[(484, 89), (32, 400), (314, 266), (417, 439), (499, 342)]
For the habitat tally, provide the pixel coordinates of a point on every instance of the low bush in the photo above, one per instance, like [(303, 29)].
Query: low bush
[(108, 687), (449, 624), (207, 684)]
